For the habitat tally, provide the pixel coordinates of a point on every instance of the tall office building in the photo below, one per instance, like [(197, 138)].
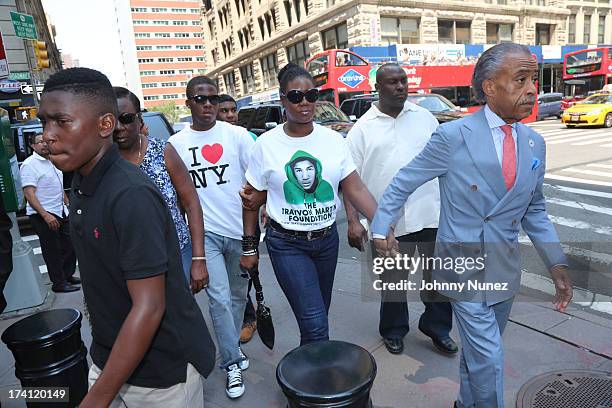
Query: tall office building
[(162, 47)]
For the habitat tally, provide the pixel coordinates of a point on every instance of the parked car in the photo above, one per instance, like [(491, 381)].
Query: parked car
[(261, 117), (549, 104), (443, 109), (158, 125), (596, 110)]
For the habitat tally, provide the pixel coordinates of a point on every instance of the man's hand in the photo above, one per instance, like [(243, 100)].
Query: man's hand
[(388, 247), (252, 199), (199, 275), (51, 221), (249, 263), (264, 216), (357, 235), (563, 287)]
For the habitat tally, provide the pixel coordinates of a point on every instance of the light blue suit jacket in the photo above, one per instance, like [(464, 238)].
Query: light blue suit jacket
[(479, 217)]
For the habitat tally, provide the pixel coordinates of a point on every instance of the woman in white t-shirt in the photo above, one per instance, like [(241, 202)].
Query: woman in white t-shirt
[(302, 166)]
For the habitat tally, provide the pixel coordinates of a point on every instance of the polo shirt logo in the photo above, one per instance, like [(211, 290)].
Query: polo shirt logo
[(96, 233)]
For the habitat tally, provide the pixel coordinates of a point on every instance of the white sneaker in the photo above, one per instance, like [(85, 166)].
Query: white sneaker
[(234, 387), (244, 363)]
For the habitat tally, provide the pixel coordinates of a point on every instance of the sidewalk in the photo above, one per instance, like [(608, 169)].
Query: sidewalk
[(537, 340)]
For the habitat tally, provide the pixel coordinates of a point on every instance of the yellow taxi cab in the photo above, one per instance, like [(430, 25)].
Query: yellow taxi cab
[(596, 110)]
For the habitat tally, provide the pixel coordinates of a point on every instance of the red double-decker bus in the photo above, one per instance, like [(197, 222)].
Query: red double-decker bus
[(586, 71), (339, 74)]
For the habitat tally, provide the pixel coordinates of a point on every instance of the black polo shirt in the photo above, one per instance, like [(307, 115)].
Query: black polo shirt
[(122, 230)]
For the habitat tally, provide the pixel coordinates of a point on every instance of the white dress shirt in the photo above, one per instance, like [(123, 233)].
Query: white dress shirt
[(495, 123), (39, 172), (381, 145)]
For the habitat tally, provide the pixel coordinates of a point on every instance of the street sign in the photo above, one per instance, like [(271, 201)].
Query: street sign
[(19, 76), (24, 26), (4, 70), (27, 89)]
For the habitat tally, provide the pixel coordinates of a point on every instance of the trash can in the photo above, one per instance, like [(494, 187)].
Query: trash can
[(327, 374), (49, 352)]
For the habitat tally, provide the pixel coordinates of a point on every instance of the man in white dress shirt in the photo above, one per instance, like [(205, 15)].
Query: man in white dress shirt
[(383, 140)]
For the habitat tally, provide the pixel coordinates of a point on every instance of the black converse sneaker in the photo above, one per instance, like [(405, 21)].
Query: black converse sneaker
[(234, 387)]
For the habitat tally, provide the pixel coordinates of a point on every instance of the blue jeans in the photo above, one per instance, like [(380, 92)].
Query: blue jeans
[(186, 254), (305, 271), (227, 290)]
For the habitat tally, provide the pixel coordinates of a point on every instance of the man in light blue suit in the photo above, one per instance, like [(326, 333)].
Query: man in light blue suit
[(491, 169)]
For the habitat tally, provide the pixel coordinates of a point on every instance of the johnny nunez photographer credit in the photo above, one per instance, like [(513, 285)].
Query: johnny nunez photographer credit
[(408, 285)]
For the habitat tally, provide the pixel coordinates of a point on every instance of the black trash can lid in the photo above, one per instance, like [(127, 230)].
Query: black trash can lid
[(326, 370), (41, 326)]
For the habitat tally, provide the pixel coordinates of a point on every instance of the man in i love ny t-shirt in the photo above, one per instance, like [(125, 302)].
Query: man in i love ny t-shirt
[(216, 154)]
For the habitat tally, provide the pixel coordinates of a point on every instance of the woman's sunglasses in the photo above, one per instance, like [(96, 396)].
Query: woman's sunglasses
[(201, 99), (295, 96), (127, 118)]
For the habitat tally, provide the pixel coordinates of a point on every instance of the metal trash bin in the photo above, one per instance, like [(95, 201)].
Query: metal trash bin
[(327, 374), (49, 352)]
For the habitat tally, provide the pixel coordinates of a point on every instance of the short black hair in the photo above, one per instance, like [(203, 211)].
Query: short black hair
[(226, 98), (121, 92), (199, 80), (381, 71), (288, 73), (33, 136), (85, 82)]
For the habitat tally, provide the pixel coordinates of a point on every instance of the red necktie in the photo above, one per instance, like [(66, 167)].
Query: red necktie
[(508, 157)]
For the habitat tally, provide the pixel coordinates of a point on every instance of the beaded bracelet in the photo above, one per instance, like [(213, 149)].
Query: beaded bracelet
[(249, 252), (250, 242)]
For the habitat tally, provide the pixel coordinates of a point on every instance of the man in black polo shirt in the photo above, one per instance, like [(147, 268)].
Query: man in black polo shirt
[(149, 336), (6, 249)]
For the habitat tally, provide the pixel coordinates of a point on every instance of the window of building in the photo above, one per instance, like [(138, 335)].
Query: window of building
[(298, 53), (269, 69), (183, 83), (161, 22), (587, 29), (179, 10), (165, 60), (145, 60), (306, 7), (195, 11), (197, 34), (248, 79), (158, 9), (329, 3), (147, 73), (168, 84), (164, 47), (183, 47), (454, 32), (151, 85), (151, 97), (181, 35), (571, 30), (166, 72), (186, 71), (171, 96), (162, 35), (139, 10), (184, 59), (543, 35), (180, 23), (199, 59), (335, 37), (141, 22), (230, 83), (288, 12), (601, 30), (399, 30), (198, 47), (144, 47), (142, 35), (196, 22), (499, 33)]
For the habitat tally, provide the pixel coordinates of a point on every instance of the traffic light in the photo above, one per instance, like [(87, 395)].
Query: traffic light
[(26, 113), (41, 53)]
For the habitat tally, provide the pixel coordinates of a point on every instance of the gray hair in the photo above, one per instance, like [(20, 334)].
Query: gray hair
[(490, 62)]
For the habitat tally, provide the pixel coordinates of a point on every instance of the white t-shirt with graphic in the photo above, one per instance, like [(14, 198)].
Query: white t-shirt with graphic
[(216, 160), (301, 175)]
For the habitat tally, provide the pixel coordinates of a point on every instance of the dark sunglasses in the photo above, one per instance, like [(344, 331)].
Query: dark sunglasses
[(201, 99), (127, 118), (295, 96)]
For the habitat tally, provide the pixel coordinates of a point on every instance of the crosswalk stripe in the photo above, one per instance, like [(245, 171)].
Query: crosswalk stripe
[(37, 251), (607, 145), (577, 180), (566, 135), (43, 269), (601, 166), (567, 222), (597, 140), (576, 139), (588, 172), (579, 205), (580, 191), (550, 134), (28, 238)]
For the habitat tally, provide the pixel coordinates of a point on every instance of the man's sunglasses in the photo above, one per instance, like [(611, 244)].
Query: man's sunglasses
[(295, 96), (127, 118), (201, 99)]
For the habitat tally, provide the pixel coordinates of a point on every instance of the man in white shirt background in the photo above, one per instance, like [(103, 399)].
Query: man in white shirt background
[(383, 140), (43, 188)]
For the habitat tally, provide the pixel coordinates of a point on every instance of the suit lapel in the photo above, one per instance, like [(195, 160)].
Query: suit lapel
[(479, 141), (524, 156)]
